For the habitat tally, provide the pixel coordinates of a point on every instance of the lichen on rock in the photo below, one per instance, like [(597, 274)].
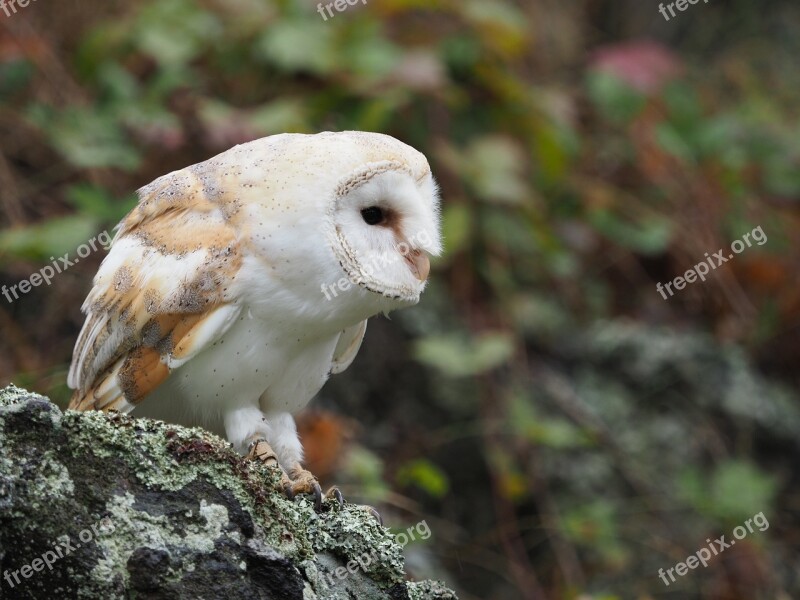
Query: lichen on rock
[(108, 506)]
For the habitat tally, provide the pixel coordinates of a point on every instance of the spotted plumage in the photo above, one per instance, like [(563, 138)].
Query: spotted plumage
[(213, 306)]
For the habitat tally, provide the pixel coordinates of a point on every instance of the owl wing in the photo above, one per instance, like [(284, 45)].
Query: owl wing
[(347, 347), (160, 297)]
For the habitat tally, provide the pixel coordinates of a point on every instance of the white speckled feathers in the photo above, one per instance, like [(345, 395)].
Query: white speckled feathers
[(209, 300)]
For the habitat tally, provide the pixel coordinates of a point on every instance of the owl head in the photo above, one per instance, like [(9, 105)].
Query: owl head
[(334, 227), (383, 220)]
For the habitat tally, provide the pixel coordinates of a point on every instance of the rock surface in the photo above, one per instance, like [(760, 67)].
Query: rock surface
[(107, 506)]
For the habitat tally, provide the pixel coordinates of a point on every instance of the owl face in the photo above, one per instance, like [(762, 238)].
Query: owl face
[(384, 225)]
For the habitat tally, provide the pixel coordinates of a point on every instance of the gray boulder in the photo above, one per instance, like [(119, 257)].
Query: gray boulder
[(108, 506)]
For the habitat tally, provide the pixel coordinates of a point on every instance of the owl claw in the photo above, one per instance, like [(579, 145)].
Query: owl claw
[(287, 489), (303, 483), (375, 514), (337, 495)]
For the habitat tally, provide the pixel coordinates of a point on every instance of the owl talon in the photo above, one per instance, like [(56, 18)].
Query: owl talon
[(337, 495), (303, 483), (317, 498), (287, 489), (374, 513)]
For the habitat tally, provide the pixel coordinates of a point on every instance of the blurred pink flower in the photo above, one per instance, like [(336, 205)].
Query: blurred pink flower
[(644, 65)]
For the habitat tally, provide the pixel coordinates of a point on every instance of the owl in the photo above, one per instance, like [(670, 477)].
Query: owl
[(238, 285)]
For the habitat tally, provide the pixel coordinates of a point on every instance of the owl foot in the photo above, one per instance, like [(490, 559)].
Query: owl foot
[(259, 449), (301, 481)]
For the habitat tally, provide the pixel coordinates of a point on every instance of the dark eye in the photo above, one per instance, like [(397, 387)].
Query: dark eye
[(372, 215)]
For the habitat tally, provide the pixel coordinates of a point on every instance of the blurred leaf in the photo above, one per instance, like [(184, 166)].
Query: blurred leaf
[(651, 236), (740, 489), (52, 238), (365, 468), (683, 105), (616, 100), (509, 230), (500, 24), (86, 138), (782, 177), (152, 125), (495, 167), (514, 485), (117, 83), (14, 76), (539, 314), (379, 113), (594, 526), (299, 45), (736, 491), (97, 202), (175, 31), (456, 228), (425, 475), (457, 357), (553, 146), (461, 52), (555, 433), (672, 141), (285, 115), (367, 51), (717, 137)]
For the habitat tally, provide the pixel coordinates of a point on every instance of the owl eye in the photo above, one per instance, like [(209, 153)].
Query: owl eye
[(372, 215)]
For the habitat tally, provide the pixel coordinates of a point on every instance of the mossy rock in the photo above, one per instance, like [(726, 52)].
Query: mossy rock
[(108, 506)]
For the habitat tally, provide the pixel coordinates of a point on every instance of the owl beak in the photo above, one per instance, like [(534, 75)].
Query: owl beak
[(419, 263)]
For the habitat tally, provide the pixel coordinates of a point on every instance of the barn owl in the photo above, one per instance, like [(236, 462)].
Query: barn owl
[(237, 286)]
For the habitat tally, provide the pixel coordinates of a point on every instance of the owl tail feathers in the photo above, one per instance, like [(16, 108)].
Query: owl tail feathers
[(87, 401), (137, 374)]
